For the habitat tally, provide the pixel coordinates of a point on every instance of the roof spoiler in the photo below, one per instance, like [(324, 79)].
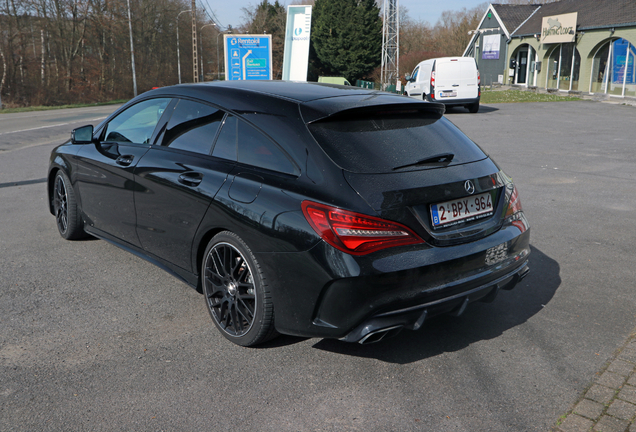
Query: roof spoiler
[(331, 108)]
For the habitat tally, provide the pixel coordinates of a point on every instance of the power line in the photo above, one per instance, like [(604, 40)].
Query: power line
[(210, 13)]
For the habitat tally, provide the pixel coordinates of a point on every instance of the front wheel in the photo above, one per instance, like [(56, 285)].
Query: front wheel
[(67, 215), (236, 292)]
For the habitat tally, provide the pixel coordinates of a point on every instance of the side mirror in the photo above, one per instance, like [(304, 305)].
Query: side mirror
[(82, 135), (408, 77)]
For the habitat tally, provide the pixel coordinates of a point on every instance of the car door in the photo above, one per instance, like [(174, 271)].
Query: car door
[(177, 180), (413, 85), (255, 193), (105, 169)]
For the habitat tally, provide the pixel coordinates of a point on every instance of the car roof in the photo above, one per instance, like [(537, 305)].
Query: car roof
[(292, 90), (317, 100)]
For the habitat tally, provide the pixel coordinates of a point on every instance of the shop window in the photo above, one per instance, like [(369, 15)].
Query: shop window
[(564, 64), (613, 69), (599, 69)]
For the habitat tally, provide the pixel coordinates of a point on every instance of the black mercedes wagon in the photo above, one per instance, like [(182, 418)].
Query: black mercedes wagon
[(297, 208)]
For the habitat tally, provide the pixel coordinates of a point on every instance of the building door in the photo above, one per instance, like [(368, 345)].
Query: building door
[(522, 66)]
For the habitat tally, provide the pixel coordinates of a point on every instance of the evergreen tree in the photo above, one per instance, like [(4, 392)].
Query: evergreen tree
[(346, 38)]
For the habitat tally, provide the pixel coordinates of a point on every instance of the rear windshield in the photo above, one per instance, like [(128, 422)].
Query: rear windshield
[(453, 70), (380, 143)]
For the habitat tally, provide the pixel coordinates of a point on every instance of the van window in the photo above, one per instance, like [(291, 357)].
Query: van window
[(456, 70), (415, 72)]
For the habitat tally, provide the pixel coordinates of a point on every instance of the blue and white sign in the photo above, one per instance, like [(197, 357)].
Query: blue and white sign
[(248, 57)]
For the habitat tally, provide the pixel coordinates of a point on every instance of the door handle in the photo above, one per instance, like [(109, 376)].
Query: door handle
[(191, 178), (125, 160), (455, 85)]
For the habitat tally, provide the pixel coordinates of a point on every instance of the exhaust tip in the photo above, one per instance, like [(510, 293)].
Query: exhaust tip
[(378, 335)]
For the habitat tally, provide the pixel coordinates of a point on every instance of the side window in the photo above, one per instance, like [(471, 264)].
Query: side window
[(137, 123), (256, 149), (415, 72), (193, 127), (238, 140), (225, 146)]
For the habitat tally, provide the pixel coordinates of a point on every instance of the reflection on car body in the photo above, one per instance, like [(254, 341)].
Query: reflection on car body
[(297, 208)]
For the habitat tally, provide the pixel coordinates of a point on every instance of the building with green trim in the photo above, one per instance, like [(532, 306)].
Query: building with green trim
[(585, 46)]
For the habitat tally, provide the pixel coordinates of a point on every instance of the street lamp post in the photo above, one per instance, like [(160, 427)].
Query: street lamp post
[(218, 65), (202, 64), (178, 55)]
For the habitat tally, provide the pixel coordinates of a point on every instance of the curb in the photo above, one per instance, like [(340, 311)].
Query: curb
[(608, 404), (606, 98)]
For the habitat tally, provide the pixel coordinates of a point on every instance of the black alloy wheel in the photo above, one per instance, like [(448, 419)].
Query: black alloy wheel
[(65, 208), (235, 291)]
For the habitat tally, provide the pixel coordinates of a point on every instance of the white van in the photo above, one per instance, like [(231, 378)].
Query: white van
[(450, 80)]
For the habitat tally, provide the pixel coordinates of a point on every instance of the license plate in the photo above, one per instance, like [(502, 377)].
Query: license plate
[(461, 210), (448, 94)]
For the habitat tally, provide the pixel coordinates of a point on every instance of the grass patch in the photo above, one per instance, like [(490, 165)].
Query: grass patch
[(47, 108), (514, 96)]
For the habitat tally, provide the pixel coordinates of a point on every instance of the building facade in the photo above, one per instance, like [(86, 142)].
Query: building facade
[(575, 46)]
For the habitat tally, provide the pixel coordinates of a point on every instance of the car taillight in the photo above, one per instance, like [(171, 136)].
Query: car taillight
[(432, 92), (514, 203), (514, 207), (356, 233), (478, 84)]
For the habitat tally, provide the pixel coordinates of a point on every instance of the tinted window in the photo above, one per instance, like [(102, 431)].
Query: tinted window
[(238, 140), (193, 127), (379, 142), (137, 123), (225, 146), (256, 149)]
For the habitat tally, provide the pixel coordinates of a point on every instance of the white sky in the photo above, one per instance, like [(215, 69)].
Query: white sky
[(229, 11)]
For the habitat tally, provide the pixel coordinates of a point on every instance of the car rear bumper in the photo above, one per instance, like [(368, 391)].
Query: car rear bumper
[(454, 102), (326, 293), (381, 325)]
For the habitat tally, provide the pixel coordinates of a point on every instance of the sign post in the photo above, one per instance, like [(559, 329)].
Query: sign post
[(248, 57)]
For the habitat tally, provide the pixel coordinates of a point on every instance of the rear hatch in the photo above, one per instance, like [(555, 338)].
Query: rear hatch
[(455, 79), (415, 167)]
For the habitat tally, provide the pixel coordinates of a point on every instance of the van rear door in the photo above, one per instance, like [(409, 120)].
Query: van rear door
[(455, 78)]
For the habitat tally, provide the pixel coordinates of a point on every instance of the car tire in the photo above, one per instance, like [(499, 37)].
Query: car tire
[(67, 215), (473, 108), (236, 291)]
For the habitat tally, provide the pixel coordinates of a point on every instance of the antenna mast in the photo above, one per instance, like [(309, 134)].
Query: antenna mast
[(390, 43)]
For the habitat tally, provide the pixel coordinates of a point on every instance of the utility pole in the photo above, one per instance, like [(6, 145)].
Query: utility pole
[(178, 55), (203, 64), (132, 50), (195, 51), (390, 44)]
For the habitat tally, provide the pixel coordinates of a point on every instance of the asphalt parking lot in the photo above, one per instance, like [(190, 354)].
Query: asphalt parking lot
[(94, 338)]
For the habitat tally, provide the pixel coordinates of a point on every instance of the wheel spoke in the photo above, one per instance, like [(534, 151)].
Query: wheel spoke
[(214, 260), (238, 323), (247, 309), (215, 290), (237, 266)]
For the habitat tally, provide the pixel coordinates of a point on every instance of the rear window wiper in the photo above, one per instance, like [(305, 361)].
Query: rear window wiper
[(437, 159)]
